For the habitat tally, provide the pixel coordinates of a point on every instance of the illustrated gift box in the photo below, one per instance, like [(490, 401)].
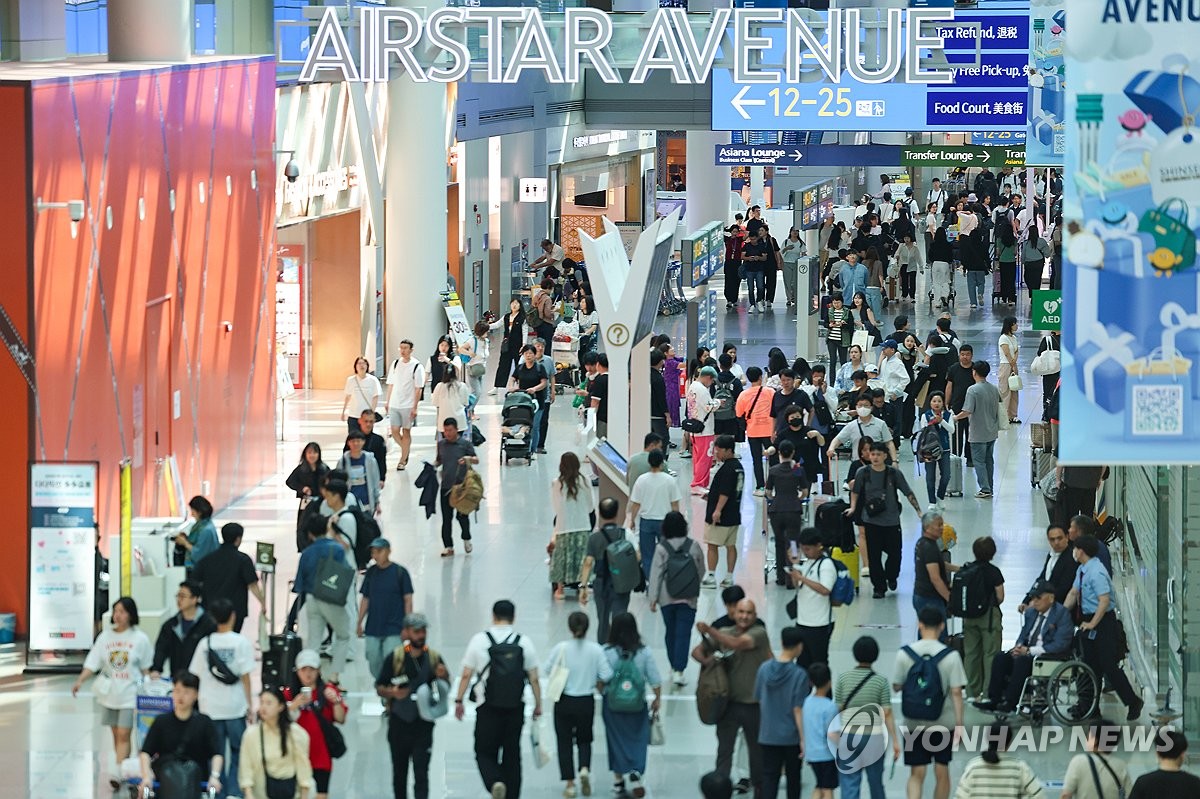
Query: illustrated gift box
[(1181, 337), (1102, 361), (1164, 96), (1159, 397)]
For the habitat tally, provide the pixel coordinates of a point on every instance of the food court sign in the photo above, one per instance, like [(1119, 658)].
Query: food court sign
[(506, 43)]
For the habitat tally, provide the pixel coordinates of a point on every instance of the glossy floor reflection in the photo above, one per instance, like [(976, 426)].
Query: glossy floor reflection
[(55, 749)]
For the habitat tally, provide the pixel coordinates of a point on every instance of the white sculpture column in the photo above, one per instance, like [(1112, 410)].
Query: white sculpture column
[(414, 185)]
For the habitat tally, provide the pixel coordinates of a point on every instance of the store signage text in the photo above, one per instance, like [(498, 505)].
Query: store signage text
[(600, 138), (329, 183), (516, 40)]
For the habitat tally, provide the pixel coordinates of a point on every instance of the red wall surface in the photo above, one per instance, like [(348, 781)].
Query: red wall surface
[(140, 302), (15, 299)]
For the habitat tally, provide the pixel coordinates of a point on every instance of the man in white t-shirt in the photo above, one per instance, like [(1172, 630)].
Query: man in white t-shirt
[(654, 495), (500, 708), (406, 384), (931, 740), (228, 704), (814, 577), (552, 255)]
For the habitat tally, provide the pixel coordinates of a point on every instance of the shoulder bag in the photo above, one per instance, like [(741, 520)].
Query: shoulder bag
[(857, 688), (745, 420), (276, 788), (476, 367), (363, 394), (694, 426), (556, 682), (335, 743), (1111, 773)]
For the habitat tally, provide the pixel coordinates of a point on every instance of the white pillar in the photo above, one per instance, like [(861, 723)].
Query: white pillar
[(473, 185), (758, 186), (707, 185), (415, 229), (520, 223), (149, 30), (33, 30)]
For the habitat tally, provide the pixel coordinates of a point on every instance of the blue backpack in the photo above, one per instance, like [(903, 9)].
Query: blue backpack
[(923, 696), (842, 592)]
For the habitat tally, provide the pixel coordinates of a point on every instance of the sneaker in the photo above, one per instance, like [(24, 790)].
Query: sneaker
[(569, 792), (686, 454), (891, 584), (762, 307), (1135, 710), (678, 678), (878, 595), (709, 581), (499, 790), (448, 553), (728, 581), (672, 473), (983, 495), (619, 788), (635, 785), (753, 308), (760, 492), (491, 392), (742, 787), (932, 506), (467, 546), (585, 782)]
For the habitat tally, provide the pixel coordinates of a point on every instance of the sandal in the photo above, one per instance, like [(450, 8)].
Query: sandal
[(448, 553)]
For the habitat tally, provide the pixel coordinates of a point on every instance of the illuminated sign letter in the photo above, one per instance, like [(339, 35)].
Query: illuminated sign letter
[(460, 57), (662, 34), (495, 19), (917, 42), (329, 34), (575, 46), (888, 63), (533, 36), (700, 59), (400, 47), (802, 38), (746, 45)]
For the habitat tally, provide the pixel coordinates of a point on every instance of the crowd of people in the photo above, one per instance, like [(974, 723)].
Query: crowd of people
[(814, 434)]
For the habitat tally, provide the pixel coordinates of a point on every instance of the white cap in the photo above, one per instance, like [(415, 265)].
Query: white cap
[(308, 659)]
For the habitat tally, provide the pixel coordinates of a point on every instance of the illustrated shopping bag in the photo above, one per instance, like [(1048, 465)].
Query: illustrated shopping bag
[(1175, 243)]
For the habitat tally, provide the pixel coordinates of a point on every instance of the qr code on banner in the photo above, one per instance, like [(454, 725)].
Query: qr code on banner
[(1157, 410), (1060, 143)]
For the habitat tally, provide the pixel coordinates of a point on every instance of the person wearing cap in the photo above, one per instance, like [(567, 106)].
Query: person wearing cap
[(700, 406), (307, 698), (387, 596), (1047, 630), (415, 684), (895, 380), (229, 574)]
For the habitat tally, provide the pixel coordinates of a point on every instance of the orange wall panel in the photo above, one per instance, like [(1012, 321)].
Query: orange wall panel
[(167, 286)]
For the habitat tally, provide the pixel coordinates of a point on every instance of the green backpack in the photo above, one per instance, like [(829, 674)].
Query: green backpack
[(626, 691)]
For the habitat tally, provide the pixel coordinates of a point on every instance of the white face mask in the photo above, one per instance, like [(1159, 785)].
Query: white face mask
[(864, 412)]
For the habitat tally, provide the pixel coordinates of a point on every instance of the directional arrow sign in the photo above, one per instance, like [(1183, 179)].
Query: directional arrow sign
[(965, 156), (756, 155), (740, 103)]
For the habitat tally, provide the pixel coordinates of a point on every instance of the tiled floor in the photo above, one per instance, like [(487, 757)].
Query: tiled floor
[(55, 749)]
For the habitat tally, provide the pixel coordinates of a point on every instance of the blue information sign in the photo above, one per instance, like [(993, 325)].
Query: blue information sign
[(998, 137), (989, 92), (757, 155)]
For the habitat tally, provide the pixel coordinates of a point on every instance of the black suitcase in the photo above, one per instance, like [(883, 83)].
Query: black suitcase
[(834, 526), (279, 661)]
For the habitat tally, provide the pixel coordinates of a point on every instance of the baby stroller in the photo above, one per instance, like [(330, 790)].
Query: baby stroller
[(516, 426)]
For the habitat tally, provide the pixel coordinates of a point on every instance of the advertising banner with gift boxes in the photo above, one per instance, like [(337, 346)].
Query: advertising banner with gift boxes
[(1046, 141), (1131, 326)]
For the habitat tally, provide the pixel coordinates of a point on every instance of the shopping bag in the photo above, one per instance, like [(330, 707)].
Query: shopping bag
[(657, 736), (541, 755), (1174, 241), (862, 339)]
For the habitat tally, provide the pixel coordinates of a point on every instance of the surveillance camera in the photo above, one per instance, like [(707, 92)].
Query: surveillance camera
[(76, 210), (291, 171)]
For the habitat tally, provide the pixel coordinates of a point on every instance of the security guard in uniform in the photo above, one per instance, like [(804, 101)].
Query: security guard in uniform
[(1092, 592)]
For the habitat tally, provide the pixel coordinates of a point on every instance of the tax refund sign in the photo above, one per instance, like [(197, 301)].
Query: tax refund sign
[(857, 70)]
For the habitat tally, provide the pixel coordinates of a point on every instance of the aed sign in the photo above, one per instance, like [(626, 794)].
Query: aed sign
[(1047, 310)]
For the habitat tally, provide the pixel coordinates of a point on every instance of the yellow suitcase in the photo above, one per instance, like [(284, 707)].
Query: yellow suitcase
[(850, 561)]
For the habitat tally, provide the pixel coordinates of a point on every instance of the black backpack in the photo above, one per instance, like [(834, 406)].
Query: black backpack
[(681, 577), (505, 673), (821, 410), (834, 526), (971, 594), (723, 392), (367, 531), (929, 445)]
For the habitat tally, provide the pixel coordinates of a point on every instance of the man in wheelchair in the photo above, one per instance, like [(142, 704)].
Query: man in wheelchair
[(1046, 633)]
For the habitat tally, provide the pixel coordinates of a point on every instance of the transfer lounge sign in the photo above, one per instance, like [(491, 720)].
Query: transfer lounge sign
[(970, 157)]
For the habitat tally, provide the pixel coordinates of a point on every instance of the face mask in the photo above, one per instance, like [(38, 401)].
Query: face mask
[(796, 424), (864, 412)]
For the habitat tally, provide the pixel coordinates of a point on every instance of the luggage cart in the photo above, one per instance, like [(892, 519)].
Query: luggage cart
[(672, 300), (566, 363)]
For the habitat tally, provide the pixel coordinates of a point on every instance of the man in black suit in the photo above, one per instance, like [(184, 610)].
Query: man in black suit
[(1047, 631), (1058, 568)]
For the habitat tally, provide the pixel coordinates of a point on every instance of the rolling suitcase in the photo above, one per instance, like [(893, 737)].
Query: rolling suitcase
[(834, 526), (279, 661), (955, 487), (850, 561)]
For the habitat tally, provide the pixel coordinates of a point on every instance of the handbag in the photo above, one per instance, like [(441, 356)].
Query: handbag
[(556, 682), (694, 426), (276, 788), (332, 581), (862, 340), (1047, 362), (1168, 224), (477, 438), (1015, 383), (541, 755), (1002, 421), (658, 736), (335, 742)]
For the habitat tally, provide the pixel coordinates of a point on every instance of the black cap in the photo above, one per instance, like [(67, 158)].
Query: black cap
[(1043, 587)]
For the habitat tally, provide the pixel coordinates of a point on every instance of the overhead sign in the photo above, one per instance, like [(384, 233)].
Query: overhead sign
[(1047, 310), (961, 155), (983, 88), (703, 253), (998, 137), (1131, 339), (62, 556), (757, 155)]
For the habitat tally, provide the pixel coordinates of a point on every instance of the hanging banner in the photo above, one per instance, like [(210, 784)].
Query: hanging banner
[(1046, 141), (62, 556), (1131, 328)]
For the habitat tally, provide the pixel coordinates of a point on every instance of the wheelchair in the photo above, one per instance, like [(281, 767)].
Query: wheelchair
[(1064, 688)]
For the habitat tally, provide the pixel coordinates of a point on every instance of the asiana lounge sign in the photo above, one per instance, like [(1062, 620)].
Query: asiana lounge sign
[(516, 41)]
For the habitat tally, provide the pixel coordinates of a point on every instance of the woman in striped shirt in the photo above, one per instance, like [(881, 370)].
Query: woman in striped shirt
[(990, 777)]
